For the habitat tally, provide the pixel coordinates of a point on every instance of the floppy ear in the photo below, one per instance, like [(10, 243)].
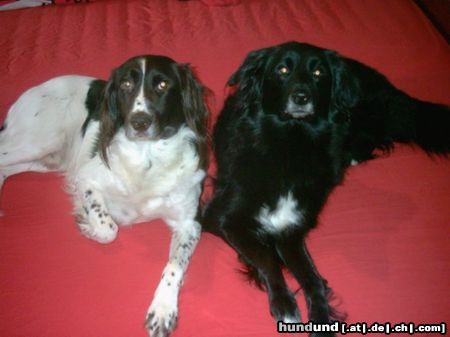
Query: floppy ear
[(110, 117), (345, 91), (194, 96), (248, 78)]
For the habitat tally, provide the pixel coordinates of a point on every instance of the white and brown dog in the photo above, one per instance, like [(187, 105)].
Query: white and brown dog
[(132, 149)]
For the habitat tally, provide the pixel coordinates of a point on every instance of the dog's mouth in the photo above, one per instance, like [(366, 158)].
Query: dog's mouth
[(140, 135), (297, 111), (151, 134), (298, 114)]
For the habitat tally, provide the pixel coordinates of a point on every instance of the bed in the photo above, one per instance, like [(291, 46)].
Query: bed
[(383, 240)]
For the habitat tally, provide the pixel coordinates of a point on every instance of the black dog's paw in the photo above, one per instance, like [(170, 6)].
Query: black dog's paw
[(283, 307)]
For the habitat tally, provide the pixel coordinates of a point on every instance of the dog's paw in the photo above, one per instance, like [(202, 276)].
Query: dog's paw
[(161, 320), (104, 232), (283, 307)]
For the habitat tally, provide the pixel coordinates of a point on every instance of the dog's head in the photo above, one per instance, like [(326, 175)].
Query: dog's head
[(151, 97), (297, 81)]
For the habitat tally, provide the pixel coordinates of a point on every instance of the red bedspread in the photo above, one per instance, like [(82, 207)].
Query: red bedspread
[(383, 243)]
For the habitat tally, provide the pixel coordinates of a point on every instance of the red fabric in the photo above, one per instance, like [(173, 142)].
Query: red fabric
[(383, 240), (221, 2)]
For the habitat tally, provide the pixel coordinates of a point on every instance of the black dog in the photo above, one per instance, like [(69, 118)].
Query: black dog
[(297, 119)]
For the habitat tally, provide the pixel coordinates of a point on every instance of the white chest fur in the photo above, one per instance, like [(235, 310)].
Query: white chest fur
[(285, 214), (149, 179)]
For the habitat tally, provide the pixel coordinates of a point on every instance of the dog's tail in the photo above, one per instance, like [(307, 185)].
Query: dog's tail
[(423, 123)]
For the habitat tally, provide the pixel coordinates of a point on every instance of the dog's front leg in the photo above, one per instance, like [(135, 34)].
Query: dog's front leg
[(163, 312), (93, 218)]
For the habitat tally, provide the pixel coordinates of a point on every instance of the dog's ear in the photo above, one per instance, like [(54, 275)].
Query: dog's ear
[(345, 91), (194, 96), (249, 77), (110, 116)]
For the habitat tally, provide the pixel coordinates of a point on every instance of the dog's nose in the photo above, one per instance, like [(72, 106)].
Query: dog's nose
[(301, 97), (141, 121)]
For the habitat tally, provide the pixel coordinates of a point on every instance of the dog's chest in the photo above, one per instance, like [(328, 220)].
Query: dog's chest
[(148, 179), (152, 170), (286, 213)]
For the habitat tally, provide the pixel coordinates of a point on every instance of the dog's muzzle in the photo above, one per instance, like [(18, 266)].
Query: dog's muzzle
[(299, 104)]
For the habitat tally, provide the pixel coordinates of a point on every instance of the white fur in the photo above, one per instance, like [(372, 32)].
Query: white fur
[(145, 179), (297, 111), (140, 104), (289, 319), (285, 214)]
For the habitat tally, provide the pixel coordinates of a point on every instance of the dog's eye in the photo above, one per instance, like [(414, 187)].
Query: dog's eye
[(162, 86), (283, 70), (126, 85), (317, 72)]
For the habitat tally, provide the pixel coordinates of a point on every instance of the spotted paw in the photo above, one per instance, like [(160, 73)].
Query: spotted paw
[(161, 320), (103, 233)]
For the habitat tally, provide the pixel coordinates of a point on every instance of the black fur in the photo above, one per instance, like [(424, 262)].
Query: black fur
[(93, 104), (93, 100), (297, 117)]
